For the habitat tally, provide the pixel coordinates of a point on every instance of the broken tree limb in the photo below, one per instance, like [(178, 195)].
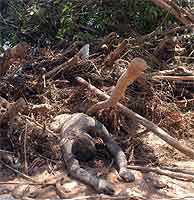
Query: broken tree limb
[(135, 68), (148, 124), (181, 71), (116, 53), (71, 62), (172, 174), (174, 10), (174, 78)]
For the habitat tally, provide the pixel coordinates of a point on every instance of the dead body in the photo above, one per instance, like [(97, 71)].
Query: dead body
[(77, 129)]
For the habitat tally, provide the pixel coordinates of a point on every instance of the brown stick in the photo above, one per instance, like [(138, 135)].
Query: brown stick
[(176, 11), (116, 53), (177, 175), (174, 78), (135, 68), (56, 70), (178, 70), (148, 124)]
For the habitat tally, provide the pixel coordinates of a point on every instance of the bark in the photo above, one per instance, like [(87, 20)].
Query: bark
[(148, 124), (134, 70)]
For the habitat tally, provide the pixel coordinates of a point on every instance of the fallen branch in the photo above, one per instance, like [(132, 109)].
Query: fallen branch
[(102, 196), (184, 18), (116, 53), (20, 173), (177, 175), (70, 64), (178, 70), (134, 70), (174, 78), (148, 124)]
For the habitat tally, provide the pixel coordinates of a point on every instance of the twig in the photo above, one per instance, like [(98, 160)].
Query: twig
[(30, 120), (176, 175), (101, 197), (184, 171), (18, 172), (148, 124), (3, 151), (25, 183), (25, 155)]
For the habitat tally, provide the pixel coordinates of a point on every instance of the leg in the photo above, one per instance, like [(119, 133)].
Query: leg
[(74, 169), (115, 150)]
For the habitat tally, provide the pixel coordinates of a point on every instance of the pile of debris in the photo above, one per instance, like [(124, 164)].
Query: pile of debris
[(37, 84)]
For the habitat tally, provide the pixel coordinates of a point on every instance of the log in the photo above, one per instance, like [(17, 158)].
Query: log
[(134, 70), (148, 124)]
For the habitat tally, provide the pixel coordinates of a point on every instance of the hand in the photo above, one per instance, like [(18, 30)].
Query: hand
[(126, 175), (104, 187)]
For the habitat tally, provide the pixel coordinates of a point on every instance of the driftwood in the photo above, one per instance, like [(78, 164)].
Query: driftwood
[(11, 111), (148, 124), (134, 70)]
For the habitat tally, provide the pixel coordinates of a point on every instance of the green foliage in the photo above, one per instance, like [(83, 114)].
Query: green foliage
[(58, 19), (147, 16), (66, 21)]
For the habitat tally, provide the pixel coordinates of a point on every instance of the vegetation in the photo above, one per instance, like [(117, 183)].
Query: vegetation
[(58, 19)]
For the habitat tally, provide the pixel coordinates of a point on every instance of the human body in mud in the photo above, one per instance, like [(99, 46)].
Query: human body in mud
[(77, 143)]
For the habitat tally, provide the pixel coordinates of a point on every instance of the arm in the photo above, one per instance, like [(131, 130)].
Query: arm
[(115, 150), (80, 174)]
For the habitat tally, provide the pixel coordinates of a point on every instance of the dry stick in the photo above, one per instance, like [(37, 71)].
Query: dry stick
[(163, 172), (102, 196), (148, 124), (30, 121), (25, 183), (18, 172), (71, 62), (174, 78), (176, 12), (134, 70), (25, 152), (175, 169), (177, 70), (116, 53)]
